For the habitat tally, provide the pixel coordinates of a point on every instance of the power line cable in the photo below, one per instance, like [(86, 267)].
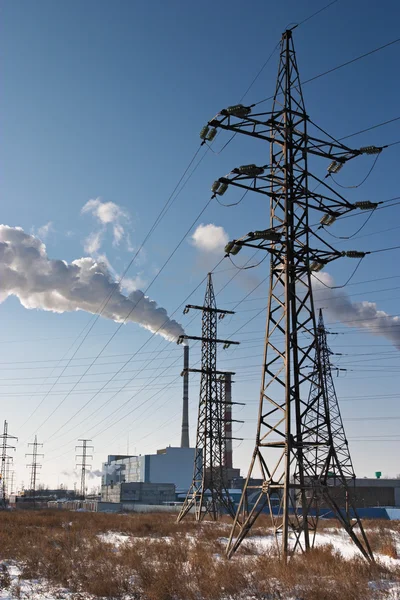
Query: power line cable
[(345, 64), (133, 308)]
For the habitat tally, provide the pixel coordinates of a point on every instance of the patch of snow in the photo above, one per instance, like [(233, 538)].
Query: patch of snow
[(116, 539)]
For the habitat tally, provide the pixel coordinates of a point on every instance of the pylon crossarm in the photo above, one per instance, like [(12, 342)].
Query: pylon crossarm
[(261, 129), (336, 206)]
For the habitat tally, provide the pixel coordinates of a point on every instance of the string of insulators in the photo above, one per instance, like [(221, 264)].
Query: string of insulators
[(219, 188), (370, 150), (237, 110), (328, 219), (353, 254), (317, 266), (265, 234), (366, 205), (251, 170), (207, 133), (335, 167), (233, 248)]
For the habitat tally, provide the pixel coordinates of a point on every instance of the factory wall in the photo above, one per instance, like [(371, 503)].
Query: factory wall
[(171, 465), (139, 492)]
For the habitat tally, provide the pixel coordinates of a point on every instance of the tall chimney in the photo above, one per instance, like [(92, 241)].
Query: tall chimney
[(185, 411), (228, 421)]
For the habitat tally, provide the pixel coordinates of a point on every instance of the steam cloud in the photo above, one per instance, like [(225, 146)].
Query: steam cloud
[(355, 314), (54, 285)]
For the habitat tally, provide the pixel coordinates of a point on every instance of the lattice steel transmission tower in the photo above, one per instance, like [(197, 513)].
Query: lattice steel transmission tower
[(84, 465), (332, 406), (291, 424), (34, 465), (208, 492), (5, 462)]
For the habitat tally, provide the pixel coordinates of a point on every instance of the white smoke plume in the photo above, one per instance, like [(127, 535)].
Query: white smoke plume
[(355, 314), (55, 285), (210, 238)]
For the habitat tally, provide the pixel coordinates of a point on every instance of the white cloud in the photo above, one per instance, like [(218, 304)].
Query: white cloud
[(55, 285), (44, 230), (92, 243), (105, 213), (210, 238)]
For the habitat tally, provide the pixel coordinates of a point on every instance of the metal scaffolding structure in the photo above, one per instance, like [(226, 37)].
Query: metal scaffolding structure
[(208, 493), (293, 426)]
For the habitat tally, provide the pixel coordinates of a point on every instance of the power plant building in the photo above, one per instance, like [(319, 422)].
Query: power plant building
[(169, 465)]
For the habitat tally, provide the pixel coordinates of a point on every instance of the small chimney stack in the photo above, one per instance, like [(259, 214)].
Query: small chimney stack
[(185, 411)]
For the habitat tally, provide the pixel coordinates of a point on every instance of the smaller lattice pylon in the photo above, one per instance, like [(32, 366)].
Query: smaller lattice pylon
[(84, 464), (341, 471), (5, 462), (208, 494), (34, 466)]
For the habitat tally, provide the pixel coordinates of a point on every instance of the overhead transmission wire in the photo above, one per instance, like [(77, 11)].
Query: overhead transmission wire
[(345, 64), (121, 389), (353, 187), (226, 284), (165, 387), (165, 207), (349, 61), (170, 200), (133, 308)]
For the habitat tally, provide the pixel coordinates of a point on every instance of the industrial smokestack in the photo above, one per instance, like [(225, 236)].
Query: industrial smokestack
[(228, 421), (185, 410)]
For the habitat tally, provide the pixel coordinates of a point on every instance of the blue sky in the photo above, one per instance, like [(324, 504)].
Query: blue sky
[(106, 100)]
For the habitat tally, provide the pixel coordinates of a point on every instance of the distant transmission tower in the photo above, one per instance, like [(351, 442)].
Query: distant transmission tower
[(34, 465), (332, 406), (208, 493), (5, 463), (291, 423), (84, 465)]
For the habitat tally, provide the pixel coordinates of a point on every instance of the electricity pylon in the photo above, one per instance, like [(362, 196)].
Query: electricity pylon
[(285, 441), (319, 453), (208, 492), (5, 463), (84, 465), (34, 465)]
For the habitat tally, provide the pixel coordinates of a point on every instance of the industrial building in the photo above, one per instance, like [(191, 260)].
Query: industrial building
[(169, 466), (140, 493)]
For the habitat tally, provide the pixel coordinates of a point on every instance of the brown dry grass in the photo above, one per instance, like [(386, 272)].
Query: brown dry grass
[(169, 561)]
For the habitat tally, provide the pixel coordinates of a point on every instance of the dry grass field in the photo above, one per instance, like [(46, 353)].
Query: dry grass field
[(149, 557)]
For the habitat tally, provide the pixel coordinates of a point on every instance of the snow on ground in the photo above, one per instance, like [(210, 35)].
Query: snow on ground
[(339, 540), (32, 590), (40, 590), (116, 539)]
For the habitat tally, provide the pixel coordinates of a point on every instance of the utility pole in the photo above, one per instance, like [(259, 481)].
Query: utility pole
[(84, 465), (34, 466), (285, 443), (5, 461), (208, 492)]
